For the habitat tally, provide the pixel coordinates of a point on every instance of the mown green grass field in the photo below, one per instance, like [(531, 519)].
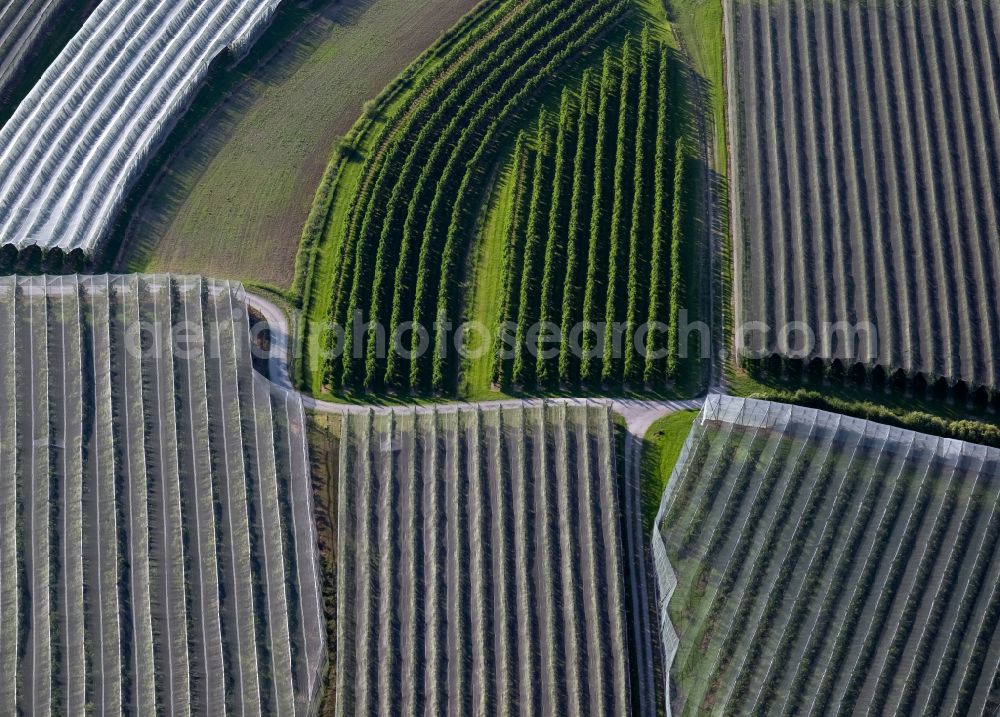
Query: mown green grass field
[(661, 448), (232, 198)]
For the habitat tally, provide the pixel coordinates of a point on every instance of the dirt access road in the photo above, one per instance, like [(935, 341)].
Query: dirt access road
[(639, 415)]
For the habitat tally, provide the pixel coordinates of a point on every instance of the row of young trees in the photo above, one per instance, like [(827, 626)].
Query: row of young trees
[(409, 221), (594, 233)]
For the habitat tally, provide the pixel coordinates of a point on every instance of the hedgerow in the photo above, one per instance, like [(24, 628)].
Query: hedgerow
[(660, 276), (534, 246), (621, 209), (639, 233), (513, 256), (599, 222), (555, 249), (578, 228), (676, 261), (964, 429)]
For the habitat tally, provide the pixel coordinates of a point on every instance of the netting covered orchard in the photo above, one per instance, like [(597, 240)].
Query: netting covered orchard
[(157, 549), (864, 141), (85, 132), (815, 563), (481, 564)]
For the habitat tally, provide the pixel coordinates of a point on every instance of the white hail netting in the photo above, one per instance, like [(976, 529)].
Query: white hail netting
[(501, 527), (82, 135), (112, 424), (864, 138), (830, 432)]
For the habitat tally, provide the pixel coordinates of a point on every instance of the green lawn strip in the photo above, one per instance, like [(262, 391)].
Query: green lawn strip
[(662, 446), (486, 284), (652, 12), (699, 26)]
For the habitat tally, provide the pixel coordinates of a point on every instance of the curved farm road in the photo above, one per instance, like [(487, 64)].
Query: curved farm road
[(639, 415), (277, 324)]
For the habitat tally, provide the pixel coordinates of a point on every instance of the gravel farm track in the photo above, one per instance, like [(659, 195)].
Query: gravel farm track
[(638, 415), (866, 140)]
